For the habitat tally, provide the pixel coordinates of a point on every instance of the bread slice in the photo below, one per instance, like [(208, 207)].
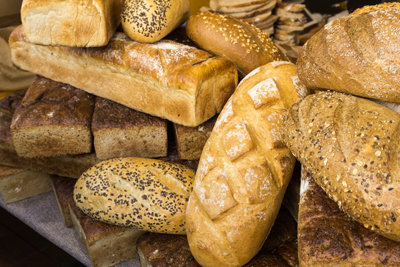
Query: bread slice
[(119, 131), (328, 237), (53, 119), (105, 244), (191, 140), (18, 184), (252, 13), (63, 189)]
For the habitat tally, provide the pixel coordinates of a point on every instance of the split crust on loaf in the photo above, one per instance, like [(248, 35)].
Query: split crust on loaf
[(146, 194), (351, 146), (166, 79), (244, 169), (75, 23)]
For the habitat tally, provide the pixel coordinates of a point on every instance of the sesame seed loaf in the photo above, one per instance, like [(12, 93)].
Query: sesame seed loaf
[(328, 237), (119, 131), (244, 169), (52, 120), (190, 140), (357, 54), (83, 23), (242, 43), (148, 21), (147, 194), (166, 79), (351, 146), (105, 244)]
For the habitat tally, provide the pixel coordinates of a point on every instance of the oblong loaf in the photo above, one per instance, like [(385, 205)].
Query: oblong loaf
[(244, 169), (146, 194), (84, 23), (242, 43), (357, 54), (169, 80), (351, 146), (149, 21)]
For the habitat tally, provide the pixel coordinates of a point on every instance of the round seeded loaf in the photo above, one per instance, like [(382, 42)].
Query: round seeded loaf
[(147, 194), (351, 147), (148, 21)]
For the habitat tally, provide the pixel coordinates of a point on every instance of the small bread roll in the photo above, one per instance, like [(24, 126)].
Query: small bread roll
[(149, 21)]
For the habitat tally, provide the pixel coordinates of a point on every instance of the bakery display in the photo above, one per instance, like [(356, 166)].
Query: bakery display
[(328, 237), (350, 145), (18, 184), (166, 79), (71, 23), (53, 119), (119, 131), (149, 21), (147, 194), (244, 169), (242, 43), (356, 54)]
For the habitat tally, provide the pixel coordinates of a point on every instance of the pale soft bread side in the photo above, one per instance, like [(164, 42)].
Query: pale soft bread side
[(350, 145), (244, 169), (18, 184), (357, 54), (252, 13), (83, 23), (146, 194), (52, 120), (149, 21), (105, 244), (242, 43), (328, 237), (168, 80)]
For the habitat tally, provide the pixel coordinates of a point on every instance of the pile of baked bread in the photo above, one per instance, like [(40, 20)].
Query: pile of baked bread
[(155, 149)]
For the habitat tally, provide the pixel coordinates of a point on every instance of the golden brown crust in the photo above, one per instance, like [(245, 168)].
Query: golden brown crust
[(244, 169), (7, 171), (357, 54), (80, 23), (166, 79), (350, 145), (242, 43), (328, 237)]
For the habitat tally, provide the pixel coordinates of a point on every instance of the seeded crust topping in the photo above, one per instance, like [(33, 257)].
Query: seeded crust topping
[(143, 193), (137, 13)]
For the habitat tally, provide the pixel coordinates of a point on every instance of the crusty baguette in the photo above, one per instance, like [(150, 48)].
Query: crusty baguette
[(351, 146), (52, 120), (169, 80), (328, 237), (83, 23), (147, 194), (149, 21), (357, 54), (244, 169), (242, 43)]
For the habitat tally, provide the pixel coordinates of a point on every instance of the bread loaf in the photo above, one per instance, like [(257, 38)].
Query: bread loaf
[(8, 104), (147, 194), (242, 43), (71, 23), (244, 169), (149, 21), (63, 189), (168, 80), (119, 131), (52, 120), (357, 54), (328, 237), (351, 145)]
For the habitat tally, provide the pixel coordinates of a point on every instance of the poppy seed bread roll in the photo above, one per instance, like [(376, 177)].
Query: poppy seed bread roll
[(146, 194), (148, 21), (240, 42)]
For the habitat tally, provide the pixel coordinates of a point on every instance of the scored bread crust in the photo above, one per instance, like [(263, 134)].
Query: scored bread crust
[(350, 145), (76, 23), (357, 54), (146, 194), (244, 169), (166, 79)]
